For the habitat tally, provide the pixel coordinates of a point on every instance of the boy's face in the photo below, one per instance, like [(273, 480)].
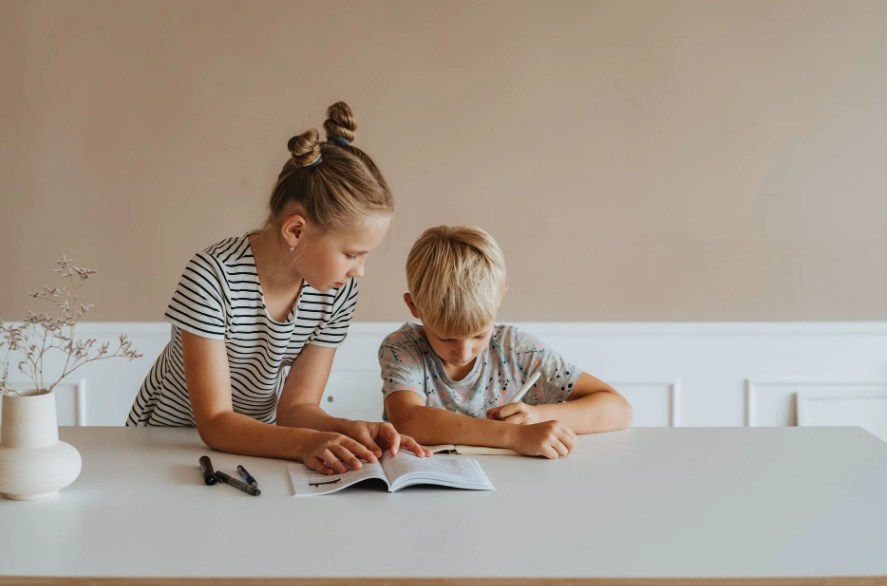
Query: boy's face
[(459, 352), (456, 352)]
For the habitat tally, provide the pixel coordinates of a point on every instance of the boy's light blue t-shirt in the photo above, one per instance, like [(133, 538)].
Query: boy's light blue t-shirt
[(409, 364)]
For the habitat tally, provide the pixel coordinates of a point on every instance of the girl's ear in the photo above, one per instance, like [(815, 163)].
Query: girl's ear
[(293, 230), (409, 301)]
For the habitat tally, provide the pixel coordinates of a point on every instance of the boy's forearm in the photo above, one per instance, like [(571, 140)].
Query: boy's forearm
[(432, 426), (594, 413)]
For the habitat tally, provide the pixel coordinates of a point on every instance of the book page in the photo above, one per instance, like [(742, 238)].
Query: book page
[(406, 469), (307, 482), (406, 463)]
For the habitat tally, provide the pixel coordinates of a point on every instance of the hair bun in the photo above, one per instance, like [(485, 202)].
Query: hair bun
[(340, 122), (305, 148)]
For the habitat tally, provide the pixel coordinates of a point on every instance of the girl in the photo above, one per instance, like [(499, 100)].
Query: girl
[(283, 296)]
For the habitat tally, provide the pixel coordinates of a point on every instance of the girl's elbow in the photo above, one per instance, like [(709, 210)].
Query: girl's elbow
[(211, 434), (208, 438)]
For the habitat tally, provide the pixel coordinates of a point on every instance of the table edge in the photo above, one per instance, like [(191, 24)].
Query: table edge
[(463, 581)]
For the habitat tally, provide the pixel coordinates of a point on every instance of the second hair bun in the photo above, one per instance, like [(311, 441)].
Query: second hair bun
[(340, 122)]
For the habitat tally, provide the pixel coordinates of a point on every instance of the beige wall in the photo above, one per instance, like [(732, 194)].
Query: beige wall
[(661, 160)]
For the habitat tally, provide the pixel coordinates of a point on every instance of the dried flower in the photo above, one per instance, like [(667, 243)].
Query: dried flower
[(41, 333)]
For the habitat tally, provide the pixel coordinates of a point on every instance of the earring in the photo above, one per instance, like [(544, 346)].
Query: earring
[(292, 248)]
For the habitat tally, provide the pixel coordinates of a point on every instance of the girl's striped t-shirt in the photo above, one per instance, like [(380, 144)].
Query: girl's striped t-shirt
[(219, 297)]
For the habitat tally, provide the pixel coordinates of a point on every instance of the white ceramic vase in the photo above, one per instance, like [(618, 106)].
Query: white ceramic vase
[(34, 464)]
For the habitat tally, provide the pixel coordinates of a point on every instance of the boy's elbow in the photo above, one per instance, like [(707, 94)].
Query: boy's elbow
[(614, 415), (626, 413)]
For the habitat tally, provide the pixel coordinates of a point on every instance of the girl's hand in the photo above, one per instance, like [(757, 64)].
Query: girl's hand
[(374, 434), (519, 413), (551, 439), (331, 453)]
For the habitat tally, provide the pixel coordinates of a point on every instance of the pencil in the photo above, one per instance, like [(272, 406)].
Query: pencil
[(523, 391)]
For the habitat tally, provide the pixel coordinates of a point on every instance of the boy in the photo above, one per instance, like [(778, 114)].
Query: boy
[(450, 380)]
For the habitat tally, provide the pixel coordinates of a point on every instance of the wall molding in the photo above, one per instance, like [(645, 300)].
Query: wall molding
[(80, 403), (674, 393), (753, 387), (676, 374)]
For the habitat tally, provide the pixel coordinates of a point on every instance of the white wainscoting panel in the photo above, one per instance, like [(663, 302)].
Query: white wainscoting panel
[(654, 404), (113, 383), (867, 409), (70, 399), (678, 374), (773, 403)]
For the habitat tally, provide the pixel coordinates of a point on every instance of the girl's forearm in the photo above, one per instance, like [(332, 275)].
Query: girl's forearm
[(310, 416), (594, 413), (240, 434)]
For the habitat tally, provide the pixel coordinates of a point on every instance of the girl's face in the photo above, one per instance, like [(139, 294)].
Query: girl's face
[(329, 260)]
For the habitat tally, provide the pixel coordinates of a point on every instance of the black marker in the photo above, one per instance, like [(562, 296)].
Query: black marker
[(209, 476), (239, 484), (246, 476)]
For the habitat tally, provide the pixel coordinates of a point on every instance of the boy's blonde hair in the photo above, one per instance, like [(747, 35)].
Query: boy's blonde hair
[(456, 277)]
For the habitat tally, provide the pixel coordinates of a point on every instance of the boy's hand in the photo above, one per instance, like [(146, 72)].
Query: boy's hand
[(374, 434), (551, 439), (519, 413)]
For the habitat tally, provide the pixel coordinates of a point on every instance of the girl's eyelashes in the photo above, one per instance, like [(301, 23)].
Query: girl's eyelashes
[(351, 256)]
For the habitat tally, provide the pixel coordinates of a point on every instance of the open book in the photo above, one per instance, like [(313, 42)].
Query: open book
[(404, 469), (470, 450)]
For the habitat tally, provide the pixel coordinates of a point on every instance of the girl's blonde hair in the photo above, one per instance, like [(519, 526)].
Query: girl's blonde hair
[(336, 183), (456, 277)]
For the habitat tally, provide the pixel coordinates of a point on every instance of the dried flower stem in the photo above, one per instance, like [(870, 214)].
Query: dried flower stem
[(41, 333)]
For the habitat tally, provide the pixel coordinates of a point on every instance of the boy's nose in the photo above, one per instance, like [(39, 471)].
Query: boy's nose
[(463, 353)]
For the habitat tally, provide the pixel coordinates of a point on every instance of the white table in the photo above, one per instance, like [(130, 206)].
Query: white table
[(643, 503)]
